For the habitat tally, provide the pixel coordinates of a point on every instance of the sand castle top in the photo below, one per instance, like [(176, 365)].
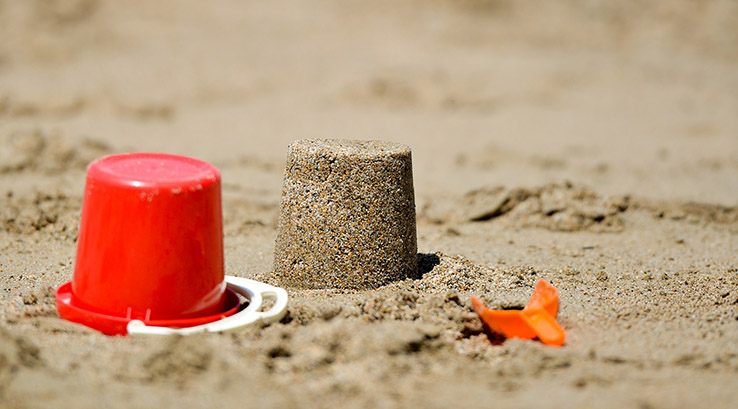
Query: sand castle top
[(349, 148)]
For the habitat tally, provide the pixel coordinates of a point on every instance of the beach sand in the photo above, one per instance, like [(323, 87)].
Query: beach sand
[(590, 143)]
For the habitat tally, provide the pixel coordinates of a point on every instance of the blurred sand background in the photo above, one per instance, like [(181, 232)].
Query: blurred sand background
[(592, 143)]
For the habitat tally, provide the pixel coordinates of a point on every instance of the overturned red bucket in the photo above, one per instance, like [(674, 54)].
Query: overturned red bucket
[(150, 249)]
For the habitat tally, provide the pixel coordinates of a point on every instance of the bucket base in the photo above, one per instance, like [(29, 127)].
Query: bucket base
[(114, 325)]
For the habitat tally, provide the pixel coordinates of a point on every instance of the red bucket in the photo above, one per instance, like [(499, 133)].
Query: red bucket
[(150, 245)]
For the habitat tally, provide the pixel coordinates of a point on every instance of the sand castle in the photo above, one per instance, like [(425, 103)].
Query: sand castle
[(347, 216)]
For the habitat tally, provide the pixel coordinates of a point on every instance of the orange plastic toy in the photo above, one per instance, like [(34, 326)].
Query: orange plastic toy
[(536, 320)]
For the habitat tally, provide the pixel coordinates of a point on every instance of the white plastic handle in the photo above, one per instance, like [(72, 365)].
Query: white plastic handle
[(255, 291)]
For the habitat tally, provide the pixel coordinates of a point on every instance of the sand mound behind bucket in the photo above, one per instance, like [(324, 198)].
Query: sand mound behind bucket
[(347, 215)]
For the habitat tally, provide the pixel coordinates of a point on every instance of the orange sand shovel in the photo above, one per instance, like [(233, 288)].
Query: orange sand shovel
[(536, 320)]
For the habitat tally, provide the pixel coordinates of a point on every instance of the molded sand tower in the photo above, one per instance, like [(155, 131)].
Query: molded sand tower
[(347, 216)]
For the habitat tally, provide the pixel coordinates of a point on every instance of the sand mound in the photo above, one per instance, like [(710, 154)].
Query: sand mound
[(557, 207)]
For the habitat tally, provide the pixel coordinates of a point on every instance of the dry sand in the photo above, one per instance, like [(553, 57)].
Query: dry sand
[(591, 143)]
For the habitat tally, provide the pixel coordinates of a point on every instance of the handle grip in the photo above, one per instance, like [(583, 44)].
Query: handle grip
[(254, 291)]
